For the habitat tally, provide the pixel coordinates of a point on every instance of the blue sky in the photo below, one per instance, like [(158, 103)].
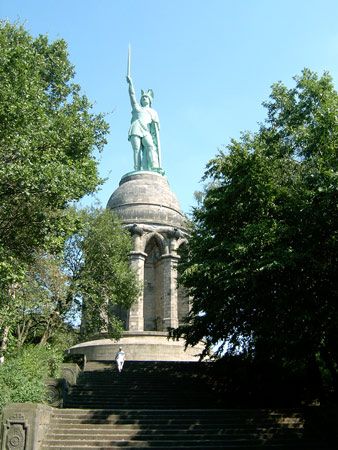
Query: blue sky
[(210, 64)]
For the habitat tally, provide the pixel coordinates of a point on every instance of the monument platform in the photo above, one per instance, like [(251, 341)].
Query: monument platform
[(139, 346)]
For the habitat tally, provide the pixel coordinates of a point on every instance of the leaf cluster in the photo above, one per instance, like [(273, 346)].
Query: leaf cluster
[(22, 377), (88, 279), (48, 135), (261, 264), (97, 260)]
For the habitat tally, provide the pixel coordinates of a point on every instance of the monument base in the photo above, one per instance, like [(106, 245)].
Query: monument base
[(158, 171), (139, 346)]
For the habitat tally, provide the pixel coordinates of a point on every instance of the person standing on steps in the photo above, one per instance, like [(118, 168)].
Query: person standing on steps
[(119, 358)]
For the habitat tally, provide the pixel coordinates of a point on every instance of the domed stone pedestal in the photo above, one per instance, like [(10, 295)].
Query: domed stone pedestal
[(146, 198), (139, 346), (150, 211)]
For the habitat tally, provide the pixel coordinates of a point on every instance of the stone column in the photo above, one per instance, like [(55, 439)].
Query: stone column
[(135, 316), (170, 313)]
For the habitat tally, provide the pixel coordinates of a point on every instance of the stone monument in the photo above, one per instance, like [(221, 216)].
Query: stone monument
[(150, 211)]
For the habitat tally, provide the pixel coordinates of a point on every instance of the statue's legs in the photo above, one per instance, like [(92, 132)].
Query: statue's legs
[(150, 156), (136, 145)]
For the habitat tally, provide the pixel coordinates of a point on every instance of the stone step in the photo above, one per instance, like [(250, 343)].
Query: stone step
[(145, 424), (143, 385), (282, 417), (113, 380), (144, 372), (151, 364), (107, 429), (163, 411), (141, 403), (66, 437), (186, 446), (214, 413), (179, 423), (174, 423), (127, 371), (174, 444), (124, 378), (141, 398), (135, 386), (141, 395), (117, 391), (175, 417), (173, 420), (132, 389), (195, 446), (148, 385), (183, 423), (64, 425), (117, 379), (164, 406), (134, 403)]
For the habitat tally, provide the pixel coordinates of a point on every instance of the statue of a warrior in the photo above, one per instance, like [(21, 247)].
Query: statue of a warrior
[(144, 130)]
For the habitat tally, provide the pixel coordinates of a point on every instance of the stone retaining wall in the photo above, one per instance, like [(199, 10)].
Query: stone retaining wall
[(23, 425)]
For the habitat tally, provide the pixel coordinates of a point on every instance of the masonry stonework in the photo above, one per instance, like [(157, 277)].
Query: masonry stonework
[(150, 210)]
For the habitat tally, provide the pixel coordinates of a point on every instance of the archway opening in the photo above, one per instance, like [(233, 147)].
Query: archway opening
[(153, 287)]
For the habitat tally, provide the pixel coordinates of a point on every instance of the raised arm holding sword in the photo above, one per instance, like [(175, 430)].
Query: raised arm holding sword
[(144, 129)]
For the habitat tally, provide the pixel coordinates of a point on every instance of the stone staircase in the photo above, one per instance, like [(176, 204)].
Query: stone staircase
[(144, 385), (165, 405)]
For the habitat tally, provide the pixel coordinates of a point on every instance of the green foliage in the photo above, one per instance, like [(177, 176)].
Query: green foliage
[(41, 308), (47, 138), (23, 374), (261, 264), (98, 263), (91, 277), (41, 305)]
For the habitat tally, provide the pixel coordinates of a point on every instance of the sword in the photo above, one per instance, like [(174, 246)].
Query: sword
[(128, 62)]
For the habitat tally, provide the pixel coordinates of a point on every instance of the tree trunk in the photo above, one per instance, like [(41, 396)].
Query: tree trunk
[(5, 334), (4, 342), (22, 331), (45, 336)]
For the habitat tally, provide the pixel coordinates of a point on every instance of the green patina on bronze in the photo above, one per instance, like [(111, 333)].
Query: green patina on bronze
[(144, 131)]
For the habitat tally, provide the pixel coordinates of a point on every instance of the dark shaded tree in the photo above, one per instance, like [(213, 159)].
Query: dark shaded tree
[(261, 264)]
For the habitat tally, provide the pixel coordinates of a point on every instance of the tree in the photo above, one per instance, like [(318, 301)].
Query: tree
[(261, 264), (92, 277), (47, 139), (48, 136), (42, 307), (97, 262)]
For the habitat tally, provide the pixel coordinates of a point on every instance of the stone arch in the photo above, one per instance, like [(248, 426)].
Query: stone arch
[(153, 282), (158, 238), (180, 242)]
